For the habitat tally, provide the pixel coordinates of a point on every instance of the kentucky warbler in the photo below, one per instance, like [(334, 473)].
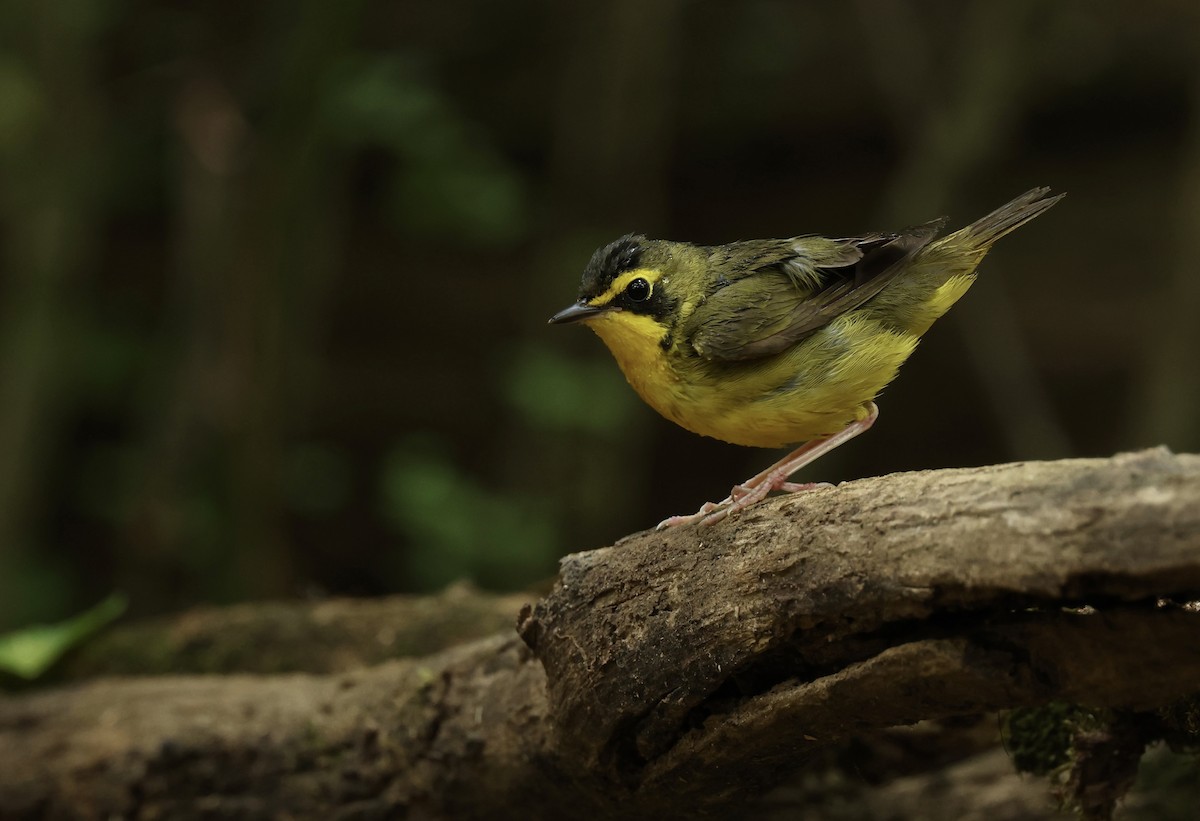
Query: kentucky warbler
[(772, 342)]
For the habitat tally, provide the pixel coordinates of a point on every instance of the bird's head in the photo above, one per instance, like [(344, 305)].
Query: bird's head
[(631, 290)]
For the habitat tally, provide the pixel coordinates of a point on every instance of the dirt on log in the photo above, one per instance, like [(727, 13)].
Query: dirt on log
[(681, 672)]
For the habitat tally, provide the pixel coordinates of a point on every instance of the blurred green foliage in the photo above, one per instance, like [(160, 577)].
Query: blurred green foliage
[(274, 278), (21, 106), (29, 652), (449, 182), (555, 392), (460, 529)]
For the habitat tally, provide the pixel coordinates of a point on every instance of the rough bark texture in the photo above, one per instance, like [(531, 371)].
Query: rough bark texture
[(325, 636), (682, 672)]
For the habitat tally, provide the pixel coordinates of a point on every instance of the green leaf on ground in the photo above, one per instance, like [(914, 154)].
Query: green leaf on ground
[(31, 651)]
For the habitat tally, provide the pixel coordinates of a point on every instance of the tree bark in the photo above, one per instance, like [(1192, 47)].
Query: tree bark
[(325, 636), (681, 672)]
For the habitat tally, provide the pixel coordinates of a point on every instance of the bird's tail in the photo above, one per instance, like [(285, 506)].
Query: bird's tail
[(945, 268), (1008, 217)]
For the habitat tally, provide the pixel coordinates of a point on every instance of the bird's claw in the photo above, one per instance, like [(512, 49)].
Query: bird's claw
[(702, 515), (797, 487), (741, 496)]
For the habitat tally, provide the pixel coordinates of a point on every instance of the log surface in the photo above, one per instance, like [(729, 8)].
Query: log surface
[(682, 672)]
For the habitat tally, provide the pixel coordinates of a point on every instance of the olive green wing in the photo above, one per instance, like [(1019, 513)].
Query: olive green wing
[(771, 295)]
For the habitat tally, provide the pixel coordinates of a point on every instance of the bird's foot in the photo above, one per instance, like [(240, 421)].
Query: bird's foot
[(797, 487), (742, 496), (756, 488), (706, 509)]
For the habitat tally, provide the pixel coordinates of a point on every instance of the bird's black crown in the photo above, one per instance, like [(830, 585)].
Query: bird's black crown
[(609, 262)]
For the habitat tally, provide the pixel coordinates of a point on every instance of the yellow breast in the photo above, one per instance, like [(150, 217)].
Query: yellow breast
[(812, 389), (635, 342)]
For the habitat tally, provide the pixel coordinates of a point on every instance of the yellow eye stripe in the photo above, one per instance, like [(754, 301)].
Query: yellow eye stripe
[(621, 282)]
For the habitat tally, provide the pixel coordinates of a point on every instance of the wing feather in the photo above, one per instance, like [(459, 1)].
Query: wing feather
[(777, 294)]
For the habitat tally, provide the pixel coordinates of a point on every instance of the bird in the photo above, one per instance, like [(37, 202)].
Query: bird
[(779, 342)]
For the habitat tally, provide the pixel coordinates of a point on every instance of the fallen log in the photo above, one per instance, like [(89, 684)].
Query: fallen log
[(680, 672)]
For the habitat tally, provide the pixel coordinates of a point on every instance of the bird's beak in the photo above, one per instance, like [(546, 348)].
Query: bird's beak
[(580, 310)]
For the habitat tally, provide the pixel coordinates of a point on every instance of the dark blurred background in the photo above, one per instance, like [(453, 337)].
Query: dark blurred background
[(275, 275)]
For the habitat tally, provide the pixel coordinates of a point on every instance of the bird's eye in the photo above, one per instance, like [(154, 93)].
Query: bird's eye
[(638, 290)]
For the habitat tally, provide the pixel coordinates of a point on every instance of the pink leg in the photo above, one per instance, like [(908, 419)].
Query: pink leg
[(756, 488)]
